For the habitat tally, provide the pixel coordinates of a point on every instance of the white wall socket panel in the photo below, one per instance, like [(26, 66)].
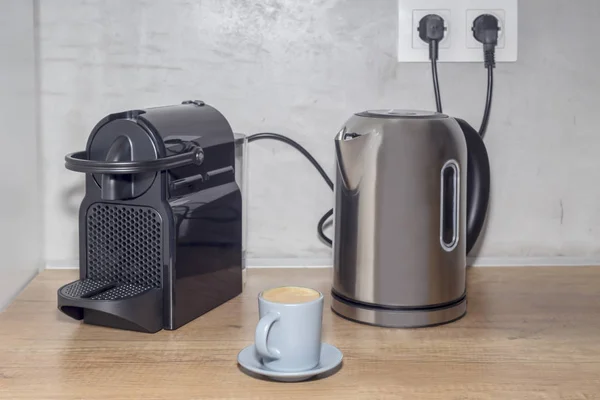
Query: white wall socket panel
[(458, 45)]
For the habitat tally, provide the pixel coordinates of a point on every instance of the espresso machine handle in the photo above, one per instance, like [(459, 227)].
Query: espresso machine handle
[(478, 183), (80, 163)]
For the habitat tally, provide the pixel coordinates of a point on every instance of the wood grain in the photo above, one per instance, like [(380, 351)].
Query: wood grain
[(530, 333)]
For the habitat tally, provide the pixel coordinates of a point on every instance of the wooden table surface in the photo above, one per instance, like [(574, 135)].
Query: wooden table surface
[(530, 333)]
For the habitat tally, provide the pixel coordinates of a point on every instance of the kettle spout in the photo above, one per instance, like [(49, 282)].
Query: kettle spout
[(349, 149)]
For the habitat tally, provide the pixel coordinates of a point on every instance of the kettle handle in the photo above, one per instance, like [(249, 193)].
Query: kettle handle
[(478, 182)]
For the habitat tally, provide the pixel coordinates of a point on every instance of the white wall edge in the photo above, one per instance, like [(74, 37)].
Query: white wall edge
[(20, 288), (326, 263)]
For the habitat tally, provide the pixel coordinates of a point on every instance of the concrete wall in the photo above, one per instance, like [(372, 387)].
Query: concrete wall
[(21, 226), (302, 68)]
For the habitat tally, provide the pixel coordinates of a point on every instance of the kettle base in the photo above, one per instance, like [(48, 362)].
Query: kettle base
[(398, 318)]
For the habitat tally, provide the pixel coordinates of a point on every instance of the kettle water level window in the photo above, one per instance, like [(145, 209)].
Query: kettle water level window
[(450, 192)]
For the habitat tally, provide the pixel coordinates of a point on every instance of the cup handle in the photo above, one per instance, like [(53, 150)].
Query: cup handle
[(262, 333)]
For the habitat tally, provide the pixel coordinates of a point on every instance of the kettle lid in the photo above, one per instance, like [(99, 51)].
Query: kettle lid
[(401, 114)]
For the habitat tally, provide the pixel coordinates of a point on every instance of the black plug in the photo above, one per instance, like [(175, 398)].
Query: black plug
[(485, 30), (431, 30)]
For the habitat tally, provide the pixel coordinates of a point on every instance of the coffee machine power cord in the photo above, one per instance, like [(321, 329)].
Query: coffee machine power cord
[(313, 161), (485, 31)]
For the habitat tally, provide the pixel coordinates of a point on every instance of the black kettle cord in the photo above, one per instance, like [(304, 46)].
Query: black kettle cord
[(436, 86), (313, 161), (433, 55), (488, 97), (488, 101)]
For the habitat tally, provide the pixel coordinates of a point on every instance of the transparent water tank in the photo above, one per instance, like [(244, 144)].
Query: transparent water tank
[(241, 177)]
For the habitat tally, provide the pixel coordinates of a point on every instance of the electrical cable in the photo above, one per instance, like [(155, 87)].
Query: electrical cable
[(485, 30), (433, 56), (488, 101), (436, 86), (320, 227), (313, 161), (432, 30)]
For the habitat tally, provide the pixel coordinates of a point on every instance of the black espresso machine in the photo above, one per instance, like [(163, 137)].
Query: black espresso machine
[(160, 226)]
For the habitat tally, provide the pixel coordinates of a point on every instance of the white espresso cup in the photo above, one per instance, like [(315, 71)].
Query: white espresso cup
[(288, 335)]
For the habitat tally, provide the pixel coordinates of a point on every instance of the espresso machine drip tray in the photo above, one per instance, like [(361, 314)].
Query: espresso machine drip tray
[(138, 307)]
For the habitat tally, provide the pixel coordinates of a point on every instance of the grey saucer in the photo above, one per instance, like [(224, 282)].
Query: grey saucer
[(331, 357)]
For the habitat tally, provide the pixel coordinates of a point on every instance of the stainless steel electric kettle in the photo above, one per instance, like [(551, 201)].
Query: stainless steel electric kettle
[(411, 194)]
